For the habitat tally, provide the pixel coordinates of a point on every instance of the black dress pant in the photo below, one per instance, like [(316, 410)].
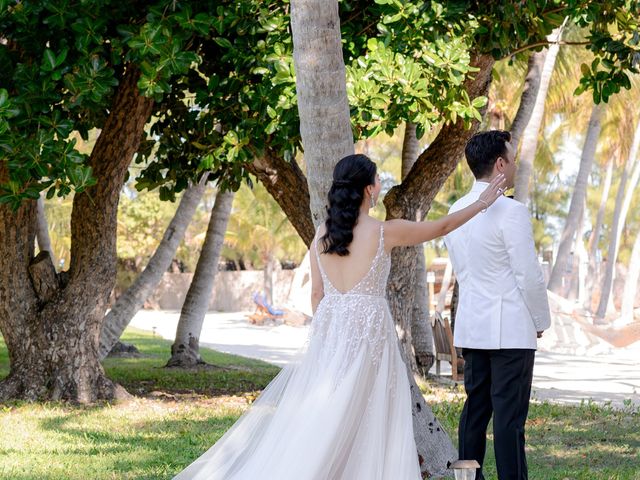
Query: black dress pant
[(497, 382)]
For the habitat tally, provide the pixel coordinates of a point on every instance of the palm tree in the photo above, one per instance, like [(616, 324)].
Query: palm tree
[(623, 202), (128, 304), (531, 133), (576, 209), (597, 228), (185, 351), (321, 91), (535, 68)]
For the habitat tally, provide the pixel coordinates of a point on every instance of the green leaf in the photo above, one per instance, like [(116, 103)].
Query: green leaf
[(479, 102), (584, 68), (206, 162), (48, 60), (62, 56), (4, 97), (223, 42)]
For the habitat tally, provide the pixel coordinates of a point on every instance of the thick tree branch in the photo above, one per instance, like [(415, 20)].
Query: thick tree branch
[(288, 186), (94, 215), (412, 198)]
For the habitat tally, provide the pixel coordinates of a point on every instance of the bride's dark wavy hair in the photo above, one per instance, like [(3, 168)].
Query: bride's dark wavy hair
[(351, 176)]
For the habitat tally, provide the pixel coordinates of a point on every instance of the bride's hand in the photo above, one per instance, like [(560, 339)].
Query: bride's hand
[(495, 189)]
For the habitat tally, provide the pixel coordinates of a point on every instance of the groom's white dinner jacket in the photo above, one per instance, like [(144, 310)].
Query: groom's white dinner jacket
[(503, 298)]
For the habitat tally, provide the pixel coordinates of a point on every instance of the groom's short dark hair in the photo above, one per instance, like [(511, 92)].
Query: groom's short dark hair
[(483, 149)]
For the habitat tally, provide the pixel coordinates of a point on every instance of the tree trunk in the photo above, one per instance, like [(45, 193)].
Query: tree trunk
[(530, 134), (288, 186), (128, 304), (421, 332), (623, 201), (321, 89), (185, 351), (51, 322), (529, 95), (454, 304), (593, 271), (410, 148), (268, 278), (574, 289), (421, 335), (597, 228), (42, 234), (573, 222), (631, 282)]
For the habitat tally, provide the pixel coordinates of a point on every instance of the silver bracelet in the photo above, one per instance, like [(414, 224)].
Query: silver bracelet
[(486, 205)]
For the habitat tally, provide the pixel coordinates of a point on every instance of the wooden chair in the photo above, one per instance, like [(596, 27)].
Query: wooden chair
[(443, 341)]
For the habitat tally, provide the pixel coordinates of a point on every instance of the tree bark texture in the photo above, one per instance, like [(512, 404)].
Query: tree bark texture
[(185, 351), (321, 89), (288, 186), (573, 223), (51, 323), (421, 332), (128, 304)]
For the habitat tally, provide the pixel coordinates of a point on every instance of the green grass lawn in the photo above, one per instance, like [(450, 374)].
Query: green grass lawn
[(176, 415)]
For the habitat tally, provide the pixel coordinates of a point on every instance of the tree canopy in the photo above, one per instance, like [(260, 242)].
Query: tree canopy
[(221, 75)]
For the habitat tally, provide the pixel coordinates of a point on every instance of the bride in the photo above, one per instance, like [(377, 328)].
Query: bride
[(343, 410)]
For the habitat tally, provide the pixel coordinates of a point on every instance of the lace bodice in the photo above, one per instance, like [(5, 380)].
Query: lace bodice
[(374, 282)]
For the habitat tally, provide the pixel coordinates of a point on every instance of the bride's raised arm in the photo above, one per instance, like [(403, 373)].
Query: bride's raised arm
[(404, 233)]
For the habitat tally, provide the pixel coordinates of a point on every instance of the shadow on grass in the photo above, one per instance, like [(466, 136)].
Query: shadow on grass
[(142, 376), (144, 446), (226, 375)]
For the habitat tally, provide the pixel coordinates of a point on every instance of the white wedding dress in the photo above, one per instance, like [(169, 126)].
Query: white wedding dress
[(341, 412)]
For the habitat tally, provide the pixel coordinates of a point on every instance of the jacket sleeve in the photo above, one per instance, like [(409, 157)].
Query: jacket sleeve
[(518, 237)]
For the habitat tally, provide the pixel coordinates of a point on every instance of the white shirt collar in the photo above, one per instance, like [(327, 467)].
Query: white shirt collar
[(479, 185)]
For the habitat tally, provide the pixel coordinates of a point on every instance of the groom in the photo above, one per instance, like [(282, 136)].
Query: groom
[(503, 308)]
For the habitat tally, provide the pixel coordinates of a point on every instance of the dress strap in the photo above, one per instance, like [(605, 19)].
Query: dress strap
[(381, 244), (317, 252)]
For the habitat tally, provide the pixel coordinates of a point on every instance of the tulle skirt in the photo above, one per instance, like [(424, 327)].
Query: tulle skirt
[(341, 412)]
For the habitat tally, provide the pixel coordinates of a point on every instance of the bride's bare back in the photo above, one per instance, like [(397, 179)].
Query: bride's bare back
[(346, 272)]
